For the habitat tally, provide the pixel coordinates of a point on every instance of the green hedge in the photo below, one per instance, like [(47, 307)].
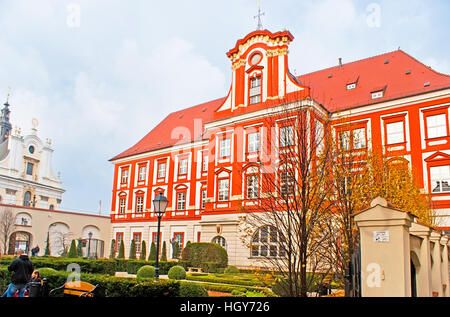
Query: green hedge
[(109, 286), (205, 255), (102, 266), (192, 290), (224, 280)]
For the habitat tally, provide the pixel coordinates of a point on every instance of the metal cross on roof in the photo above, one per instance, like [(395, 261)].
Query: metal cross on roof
[(259, 15)]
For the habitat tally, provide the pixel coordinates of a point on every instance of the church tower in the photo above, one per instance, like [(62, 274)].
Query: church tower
[(5, 125)]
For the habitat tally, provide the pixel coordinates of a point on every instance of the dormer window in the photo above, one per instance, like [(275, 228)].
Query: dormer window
[(255, 90), (377, 94), (351, 86)]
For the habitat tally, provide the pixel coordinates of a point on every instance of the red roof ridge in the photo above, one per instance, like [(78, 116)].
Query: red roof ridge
[(374, 56)]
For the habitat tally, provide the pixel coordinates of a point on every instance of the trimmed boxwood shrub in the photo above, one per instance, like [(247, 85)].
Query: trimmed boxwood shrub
[(192, 290), (177, 273), (231, 270), (197, 254), (44, 271), (146, 272)]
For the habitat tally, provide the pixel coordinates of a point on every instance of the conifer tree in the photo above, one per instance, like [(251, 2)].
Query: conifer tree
[(152, 255), (80, 248), (143, 250), (112, 253), (132, 255), (47, 245), (72, 251), (121, 254), (164, 252)]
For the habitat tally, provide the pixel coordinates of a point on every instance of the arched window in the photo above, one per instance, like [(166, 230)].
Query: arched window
[(220, 241), (27, 199), (267, 242)]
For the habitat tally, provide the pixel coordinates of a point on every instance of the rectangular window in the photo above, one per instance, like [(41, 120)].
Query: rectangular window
[(255, 90), (137, 241), (395, 133), (440, 179), (29, 168), (203, 199), (125, 176), (377, 94), (252, 186), (437, 126), (181, 200), (225, 147), (179, 237), (182, 169), (344, 140), (122, 202), (224, 186), (253, 142), (205, 163), (142, 173), (320, 142), (119, 238), (162, 170), (139, 204), (359, 138), (286, 136), (286, 184)]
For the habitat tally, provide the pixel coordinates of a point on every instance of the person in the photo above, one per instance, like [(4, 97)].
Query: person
[(22, 268), (35, 251), (34, 284)]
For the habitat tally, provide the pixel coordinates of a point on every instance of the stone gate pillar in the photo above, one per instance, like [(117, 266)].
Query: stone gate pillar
[(385, 250)]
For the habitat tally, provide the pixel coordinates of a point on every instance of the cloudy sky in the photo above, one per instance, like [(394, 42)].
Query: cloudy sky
[(100, 74)]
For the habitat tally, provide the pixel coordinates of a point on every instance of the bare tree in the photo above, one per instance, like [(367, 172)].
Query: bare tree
[(285, 228), (7, 225)]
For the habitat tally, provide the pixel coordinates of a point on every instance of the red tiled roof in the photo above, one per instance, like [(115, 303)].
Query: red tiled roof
[(328, 87), (387, 71), (189, 123)]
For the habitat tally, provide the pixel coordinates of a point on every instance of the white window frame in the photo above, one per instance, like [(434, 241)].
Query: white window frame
[(183, 167), (286, 136), (440, 175), (205, 163), (359, 138), (395, 132), (203, 199), (181, 200), (223, 193), (253, 142), (142, 172), (252, 186), (124, 176), (162, 171), (435, 128), (122, 206), (225, 147), (139, 204)]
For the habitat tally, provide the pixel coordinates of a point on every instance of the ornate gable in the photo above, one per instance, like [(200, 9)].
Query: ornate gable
[(260, 73)]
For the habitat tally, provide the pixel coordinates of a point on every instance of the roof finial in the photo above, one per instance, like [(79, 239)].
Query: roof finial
[(259, 15)]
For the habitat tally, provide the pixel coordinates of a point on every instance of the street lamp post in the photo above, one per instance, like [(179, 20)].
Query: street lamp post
[(160, 205), (89, 245)]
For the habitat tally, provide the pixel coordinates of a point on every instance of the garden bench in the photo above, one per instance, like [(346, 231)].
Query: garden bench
[(195, 269), (76, 288)]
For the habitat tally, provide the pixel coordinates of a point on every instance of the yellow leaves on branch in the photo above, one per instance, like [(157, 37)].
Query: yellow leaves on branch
[(391, 179)]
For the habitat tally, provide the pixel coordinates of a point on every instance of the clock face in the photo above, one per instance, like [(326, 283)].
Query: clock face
[(255, 59)]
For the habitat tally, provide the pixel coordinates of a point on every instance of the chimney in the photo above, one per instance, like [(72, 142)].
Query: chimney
[(340, 62)]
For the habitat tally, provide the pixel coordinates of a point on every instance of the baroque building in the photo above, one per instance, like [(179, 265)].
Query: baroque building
[(31, 192), (26, 175), (207, 159)]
